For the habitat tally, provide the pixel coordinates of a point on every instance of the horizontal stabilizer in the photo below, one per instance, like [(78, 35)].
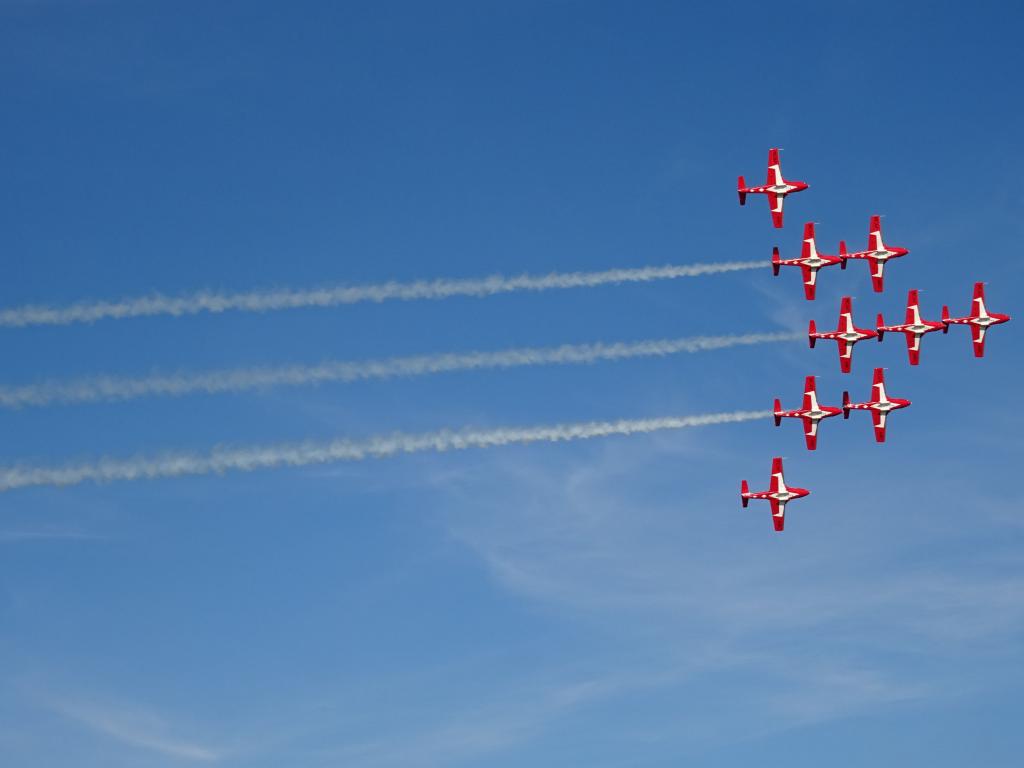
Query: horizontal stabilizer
[(775, 261), (846, 404), (811, 330), (741, 187), (744, 490), (880, 324), (778, 408)]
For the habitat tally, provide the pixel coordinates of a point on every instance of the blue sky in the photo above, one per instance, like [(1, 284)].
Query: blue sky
[(605, 603)]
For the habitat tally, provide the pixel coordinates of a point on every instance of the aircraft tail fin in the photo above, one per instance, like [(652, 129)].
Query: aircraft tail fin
[(811, 330), (744, 490), (881, 322), (778, 407), (741, 190), (775, 261)]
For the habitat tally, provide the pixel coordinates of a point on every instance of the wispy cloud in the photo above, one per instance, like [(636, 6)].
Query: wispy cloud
[(135, 728), (811, 620), (490, 728)]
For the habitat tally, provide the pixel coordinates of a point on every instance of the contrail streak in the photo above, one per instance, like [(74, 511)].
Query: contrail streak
[(252, 458), (266, 301), (111, 388)]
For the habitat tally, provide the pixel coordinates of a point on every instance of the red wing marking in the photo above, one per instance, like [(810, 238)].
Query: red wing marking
[(913, 347), (811, 433), (878, 417), (774, 168), (810, 394), (845, 355), (877, 277), (978, 335), (878, 385), (776, 480), (978, 302), (778, 514), (845, 324), (913, 309), (808, 248), (875, 234), (775, 201), (810, 278)]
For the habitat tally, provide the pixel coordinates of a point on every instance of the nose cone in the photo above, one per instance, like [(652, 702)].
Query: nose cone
[(901, 251)]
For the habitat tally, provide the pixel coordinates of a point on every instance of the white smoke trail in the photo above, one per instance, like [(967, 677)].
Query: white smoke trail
[(110, 388), (265, 301), (302, 454)]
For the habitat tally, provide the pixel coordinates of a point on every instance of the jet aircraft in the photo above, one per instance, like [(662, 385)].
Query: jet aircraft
[(880, 405), (914, 328), (811, 413), (776, 187), (980, 319), (810, 261), (845, 335), (877, 253), (778, 494)]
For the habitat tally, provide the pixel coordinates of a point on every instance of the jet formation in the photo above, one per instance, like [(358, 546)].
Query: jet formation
[(914, 328), (810, 260)]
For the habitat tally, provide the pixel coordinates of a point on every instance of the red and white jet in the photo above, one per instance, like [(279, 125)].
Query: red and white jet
[(914, 328), (980, 319), (846, 335), (880, 406), (811, 413), (877, 253), (810, 261), (775, 187), (778, 494)]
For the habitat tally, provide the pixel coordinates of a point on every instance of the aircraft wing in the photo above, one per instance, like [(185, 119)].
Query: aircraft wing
[(810, 279), (879, 418), (810, 401), (845, 355), (776, 480), (775, 202), (914, 347), (778, 514), (875, 234), (877, 277), (978, 335), (913, 316), (811, 433), (978, 301), (774, 168)]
